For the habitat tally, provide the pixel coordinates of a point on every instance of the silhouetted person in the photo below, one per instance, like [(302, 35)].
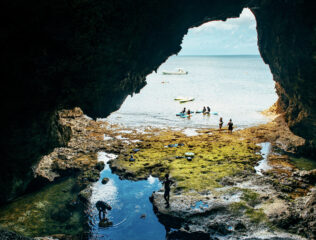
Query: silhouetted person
[(167, 184), (204, 109), (220, 123), (183, 111), (208, 109), (230, 125), (188, 112), (102, 207)]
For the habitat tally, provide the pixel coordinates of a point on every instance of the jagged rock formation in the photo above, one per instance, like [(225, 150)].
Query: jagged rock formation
[(7, 235), (92, 54), (286, 40)]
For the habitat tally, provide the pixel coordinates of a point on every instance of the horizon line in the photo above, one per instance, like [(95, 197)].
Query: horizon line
[(190, 55)]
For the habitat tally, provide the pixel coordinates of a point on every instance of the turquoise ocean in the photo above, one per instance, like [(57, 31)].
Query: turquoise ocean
[(237, 87)]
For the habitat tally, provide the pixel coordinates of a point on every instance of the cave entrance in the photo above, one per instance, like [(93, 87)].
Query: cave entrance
[(225, 72)]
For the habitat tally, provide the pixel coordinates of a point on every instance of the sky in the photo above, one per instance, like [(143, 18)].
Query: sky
[(235, 36)]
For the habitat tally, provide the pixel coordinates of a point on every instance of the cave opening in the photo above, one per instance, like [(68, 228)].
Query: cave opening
[(225, 72), (216, 166)]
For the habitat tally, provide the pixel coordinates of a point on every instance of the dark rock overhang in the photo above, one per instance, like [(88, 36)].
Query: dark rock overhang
[(93, 54)]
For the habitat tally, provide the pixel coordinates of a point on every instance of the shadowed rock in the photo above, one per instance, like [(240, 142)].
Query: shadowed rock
[(93, 54)]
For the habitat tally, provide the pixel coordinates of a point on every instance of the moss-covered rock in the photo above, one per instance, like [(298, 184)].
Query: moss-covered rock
[(215, 156), (105, 180), (53, 210)]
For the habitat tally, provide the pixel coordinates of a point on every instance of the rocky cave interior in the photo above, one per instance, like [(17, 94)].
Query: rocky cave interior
[(93, 54)]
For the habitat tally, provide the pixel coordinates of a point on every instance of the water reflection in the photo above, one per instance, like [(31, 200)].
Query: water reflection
[(132, 213)]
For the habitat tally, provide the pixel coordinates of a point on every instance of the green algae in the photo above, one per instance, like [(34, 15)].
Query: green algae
[(52, 210), (216, 156), (251, 197), (255, 215), (237, 208), (303, 163)]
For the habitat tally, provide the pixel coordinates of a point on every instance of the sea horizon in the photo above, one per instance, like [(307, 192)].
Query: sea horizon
[(238, 87)]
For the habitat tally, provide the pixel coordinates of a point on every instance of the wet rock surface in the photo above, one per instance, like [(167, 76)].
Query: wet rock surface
[(7, 235), (239, 204), (91, 54), (208, 200), (105, 180)]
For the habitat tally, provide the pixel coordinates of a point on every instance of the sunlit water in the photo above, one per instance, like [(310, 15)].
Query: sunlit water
[(132, 213), (237, 87), (263, 164)]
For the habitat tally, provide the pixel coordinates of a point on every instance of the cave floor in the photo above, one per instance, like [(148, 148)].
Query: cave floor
[(217, 192)]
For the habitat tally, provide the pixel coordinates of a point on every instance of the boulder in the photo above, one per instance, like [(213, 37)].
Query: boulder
[(105, 180)]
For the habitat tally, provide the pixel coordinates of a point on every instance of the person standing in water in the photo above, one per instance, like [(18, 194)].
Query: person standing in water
[(230, 125), (183, 111), (204, 109), (208, 109), (167, 184), (220, 123)]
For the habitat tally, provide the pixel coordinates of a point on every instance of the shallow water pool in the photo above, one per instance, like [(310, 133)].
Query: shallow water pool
[(263, 164), (132, 213), (303, 163), (51, 210)]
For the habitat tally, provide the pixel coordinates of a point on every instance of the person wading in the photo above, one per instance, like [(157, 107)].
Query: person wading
[(230, 125), (220, 125), (167, 184)]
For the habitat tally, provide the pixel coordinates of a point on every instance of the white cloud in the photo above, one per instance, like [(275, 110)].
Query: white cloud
[(219, 25), (245, 18), (233, 36), (252, 26)]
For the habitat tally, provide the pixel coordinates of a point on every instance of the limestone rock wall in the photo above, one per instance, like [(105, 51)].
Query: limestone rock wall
[(286, 40), (92, 54), (25, 142)]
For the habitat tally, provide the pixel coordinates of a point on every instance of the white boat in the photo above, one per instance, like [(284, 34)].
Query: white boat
[(179, 98), (179, 71), (189, 99)]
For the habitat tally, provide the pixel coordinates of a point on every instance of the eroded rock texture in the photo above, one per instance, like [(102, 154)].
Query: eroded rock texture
[(92, 54), (286, 40)]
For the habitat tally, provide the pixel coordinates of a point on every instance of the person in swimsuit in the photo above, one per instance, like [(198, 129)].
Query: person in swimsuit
[(230, 126), (167, 184), (220, 123)]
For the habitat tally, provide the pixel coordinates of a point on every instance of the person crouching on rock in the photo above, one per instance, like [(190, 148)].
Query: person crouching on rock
[(102, 207), (167, 183)]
